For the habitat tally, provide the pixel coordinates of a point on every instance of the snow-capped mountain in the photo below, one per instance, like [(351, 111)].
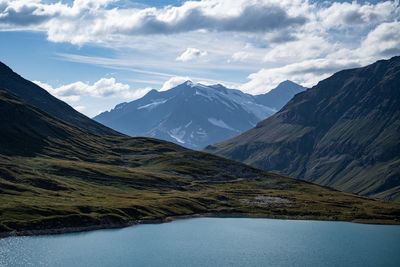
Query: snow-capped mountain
[(191, 114)]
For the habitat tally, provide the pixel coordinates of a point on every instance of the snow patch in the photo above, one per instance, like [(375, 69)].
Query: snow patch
[(187, 125), (177, 134), (221, 124), (201, 132), (153, 104), (120, 106), (233, 98)]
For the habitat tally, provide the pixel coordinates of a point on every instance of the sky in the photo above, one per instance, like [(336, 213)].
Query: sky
[(95, 54)]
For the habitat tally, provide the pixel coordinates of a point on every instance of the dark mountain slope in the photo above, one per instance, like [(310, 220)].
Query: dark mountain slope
[(28, 131), (55, 177), (41, 99), (344, 132), (18, 137)]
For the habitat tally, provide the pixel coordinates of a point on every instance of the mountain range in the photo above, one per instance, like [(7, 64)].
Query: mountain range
[(195, 115), (72, 174), (343, 133)]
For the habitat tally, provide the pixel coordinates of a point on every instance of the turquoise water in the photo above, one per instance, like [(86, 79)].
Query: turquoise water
[(213, 242)]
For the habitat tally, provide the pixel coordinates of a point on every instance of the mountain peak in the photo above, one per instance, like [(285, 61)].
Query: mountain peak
[(189, 83), (190, 114), (153, 92), (288, 84), (280, 95)]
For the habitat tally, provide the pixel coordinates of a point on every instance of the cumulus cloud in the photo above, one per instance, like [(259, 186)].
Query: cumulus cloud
[(89, 20), (383, 41), (307, 73), (300, 40), (319, 59), (338, 36), (105, 87), (354, 14), (173, 81), (191, 54), (16, 13), (305, 47)]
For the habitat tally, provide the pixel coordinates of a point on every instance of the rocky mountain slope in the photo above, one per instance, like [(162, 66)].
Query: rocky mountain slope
[(196, 115), (344, 133)]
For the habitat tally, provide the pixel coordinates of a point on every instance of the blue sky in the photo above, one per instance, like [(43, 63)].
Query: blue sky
[(96, 54)]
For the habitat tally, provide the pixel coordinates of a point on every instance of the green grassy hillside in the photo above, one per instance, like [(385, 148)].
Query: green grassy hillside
[(56, 176)]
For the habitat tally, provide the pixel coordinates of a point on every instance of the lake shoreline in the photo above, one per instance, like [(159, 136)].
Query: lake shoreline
[(66, 230)]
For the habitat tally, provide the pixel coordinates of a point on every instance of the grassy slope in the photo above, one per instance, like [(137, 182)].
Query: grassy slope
[(41, 193), (74, 179)]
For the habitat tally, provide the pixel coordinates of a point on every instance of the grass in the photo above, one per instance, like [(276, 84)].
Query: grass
[(56, 176), (45, 193)]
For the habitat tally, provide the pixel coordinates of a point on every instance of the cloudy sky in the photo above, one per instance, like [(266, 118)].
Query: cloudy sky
[(95, 54)]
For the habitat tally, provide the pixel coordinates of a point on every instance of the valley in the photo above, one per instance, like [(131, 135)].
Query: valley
[(55, 177)]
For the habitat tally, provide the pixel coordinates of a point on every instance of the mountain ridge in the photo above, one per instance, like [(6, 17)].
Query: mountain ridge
[(279, 96), (193, 114), (343, 132)]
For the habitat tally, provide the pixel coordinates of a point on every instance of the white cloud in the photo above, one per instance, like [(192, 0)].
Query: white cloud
[(383, 41), (305, 47), (191, 54), (306, 73), (240, 56), (105, 87), (80, 108), (71, 98), (319, 59), (300, 40), (136, 93), (174, 81), (356, 14), (92, 21), (56, 93)]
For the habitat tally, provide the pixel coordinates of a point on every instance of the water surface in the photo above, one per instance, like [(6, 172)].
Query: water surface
[(213, 242)]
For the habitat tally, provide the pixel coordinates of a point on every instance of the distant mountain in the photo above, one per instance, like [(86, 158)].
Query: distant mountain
[(37, 97), (344, 132), (279, 96), (194, 115)]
